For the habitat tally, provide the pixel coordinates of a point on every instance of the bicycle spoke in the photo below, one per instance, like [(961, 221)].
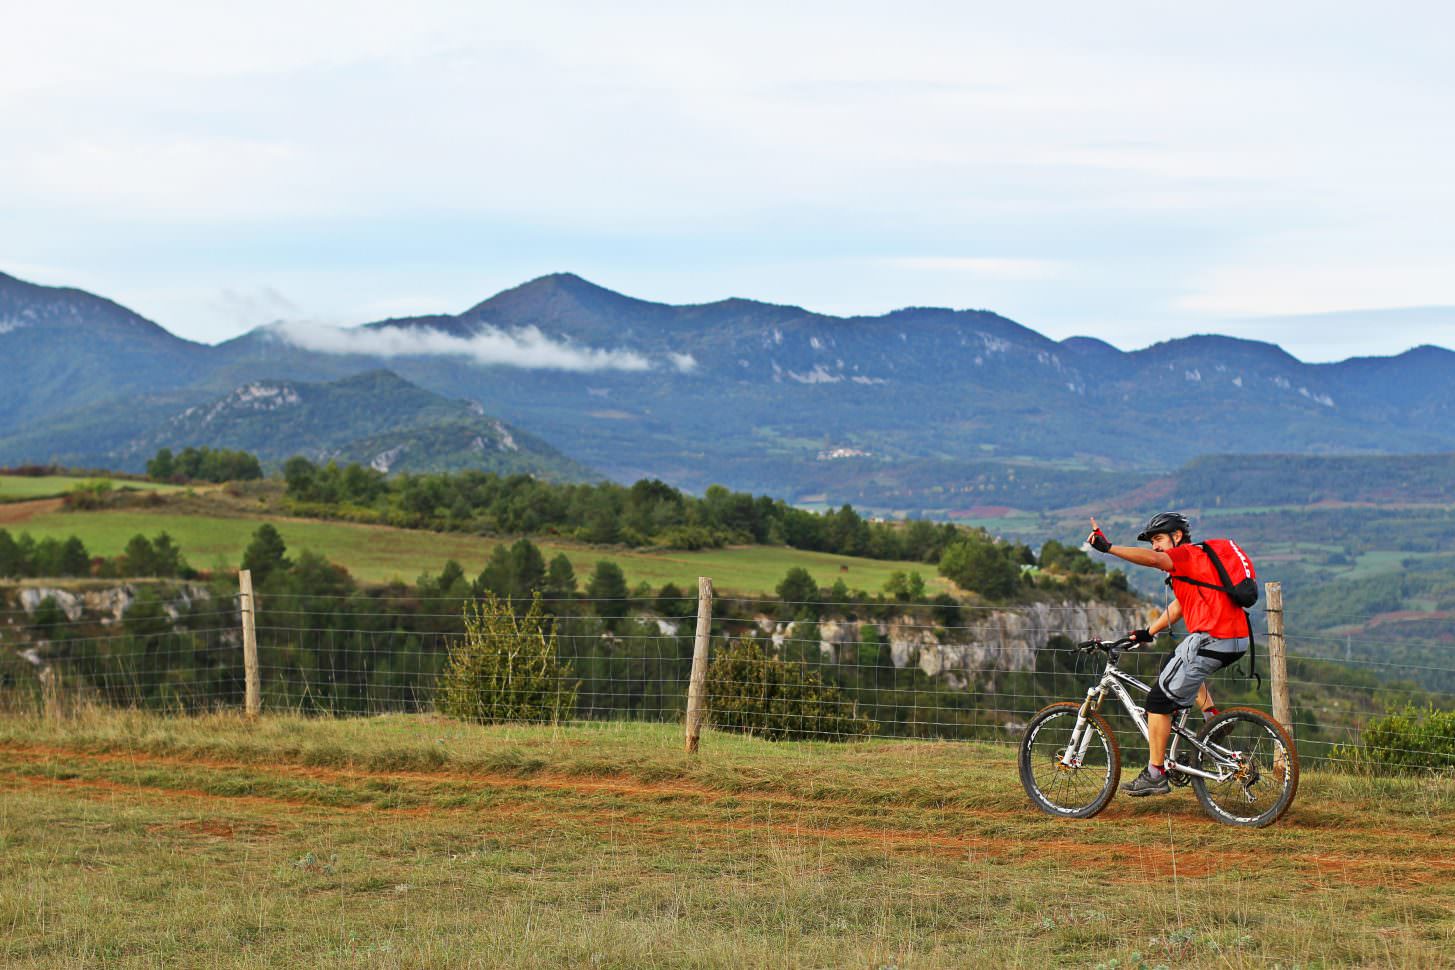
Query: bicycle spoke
[(1260, 773), (1079, 789)]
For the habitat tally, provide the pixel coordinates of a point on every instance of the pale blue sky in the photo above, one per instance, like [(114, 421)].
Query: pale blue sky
[(1129, 171)]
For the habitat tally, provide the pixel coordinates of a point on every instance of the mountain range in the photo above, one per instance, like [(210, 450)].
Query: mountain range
[(917, 409)]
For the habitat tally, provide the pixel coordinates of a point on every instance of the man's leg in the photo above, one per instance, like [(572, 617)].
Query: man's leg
[(1160, 707), (1204, 699), (1159, 732), (1153, 779)]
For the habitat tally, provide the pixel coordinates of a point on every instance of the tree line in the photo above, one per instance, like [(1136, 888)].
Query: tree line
[(203, 465), (649, 512), (27, 557), (653, 513)]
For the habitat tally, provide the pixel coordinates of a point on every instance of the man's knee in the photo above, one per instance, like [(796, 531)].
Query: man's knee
[(1159, 703)]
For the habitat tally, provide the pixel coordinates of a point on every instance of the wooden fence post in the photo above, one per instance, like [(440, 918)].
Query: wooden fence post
[(50, 686), (697, 684), (1278, 656), (253, 693)]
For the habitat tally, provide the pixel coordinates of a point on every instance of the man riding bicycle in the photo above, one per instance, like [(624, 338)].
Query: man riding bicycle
[(1217, 633)]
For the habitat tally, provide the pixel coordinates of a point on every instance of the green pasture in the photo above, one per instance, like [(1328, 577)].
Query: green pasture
[(379, 554), (1017, 523), (1383, 561), (24, 488)]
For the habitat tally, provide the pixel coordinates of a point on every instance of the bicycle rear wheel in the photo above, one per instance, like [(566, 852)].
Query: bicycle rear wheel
[(1266, 774), (1078, 791)]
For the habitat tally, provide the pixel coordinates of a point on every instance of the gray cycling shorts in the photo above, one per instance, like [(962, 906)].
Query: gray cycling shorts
[(1196, 658)]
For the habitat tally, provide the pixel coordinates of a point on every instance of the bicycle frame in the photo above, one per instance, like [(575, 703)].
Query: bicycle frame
[(1116, 683)]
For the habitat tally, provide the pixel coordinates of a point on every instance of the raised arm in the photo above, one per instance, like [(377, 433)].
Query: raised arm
[(1132, 554)]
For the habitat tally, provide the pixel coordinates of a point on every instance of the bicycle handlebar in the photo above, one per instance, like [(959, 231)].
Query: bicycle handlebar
[(1125, 643)]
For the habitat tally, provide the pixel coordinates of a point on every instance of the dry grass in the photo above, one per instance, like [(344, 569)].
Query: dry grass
[(132, 840)]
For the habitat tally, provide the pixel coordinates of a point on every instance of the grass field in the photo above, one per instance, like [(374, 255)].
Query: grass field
[(23, 488), (380, 554), (135, 841)]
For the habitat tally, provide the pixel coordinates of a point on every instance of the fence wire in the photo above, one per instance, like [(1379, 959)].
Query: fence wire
[(847, 672)]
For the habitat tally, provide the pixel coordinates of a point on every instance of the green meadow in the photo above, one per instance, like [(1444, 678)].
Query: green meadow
[(379, 554), (24, 488)]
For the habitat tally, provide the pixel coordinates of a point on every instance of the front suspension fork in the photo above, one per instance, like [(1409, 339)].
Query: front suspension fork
[(1081, 734)]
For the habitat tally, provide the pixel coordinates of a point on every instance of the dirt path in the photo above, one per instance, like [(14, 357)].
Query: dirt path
[(1138, 858), (688, 813), (16, 512)]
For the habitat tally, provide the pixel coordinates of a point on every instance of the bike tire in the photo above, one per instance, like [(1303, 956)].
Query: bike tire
[(1068, 792), (1270, 755)]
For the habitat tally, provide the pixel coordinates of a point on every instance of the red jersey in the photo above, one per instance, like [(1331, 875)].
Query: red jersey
[(1204, 610)]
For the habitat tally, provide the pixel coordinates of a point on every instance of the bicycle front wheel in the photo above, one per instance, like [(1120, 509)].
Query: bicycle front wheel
[(1078, 790), (1261, 764)]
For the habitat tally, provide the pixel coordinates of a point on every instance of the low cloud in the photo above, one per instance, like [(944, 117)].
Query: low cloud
[(526, 347), (685, 363)]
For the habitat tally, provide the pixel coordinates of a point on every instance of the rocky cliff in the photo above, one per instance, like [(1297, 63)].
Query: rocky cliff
[(990, 640)]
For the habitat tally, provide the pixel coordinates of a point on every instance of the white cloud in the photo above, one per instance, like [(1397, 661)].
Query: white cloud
[(527, 347), (685, 363), (816, 376)]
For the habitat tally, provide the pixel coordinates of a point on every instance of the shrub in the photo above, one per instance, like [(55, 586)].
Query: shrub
[(984, 566), (49, 616), (93, 493), (1412, 739), (690, 538), (797, 588), (266, 553), (750, 692), (608, 590), (506, 668)]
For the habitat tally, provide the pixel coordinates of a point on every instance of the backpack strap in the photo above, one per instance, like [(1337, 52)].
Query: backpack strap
[(1227, 590)]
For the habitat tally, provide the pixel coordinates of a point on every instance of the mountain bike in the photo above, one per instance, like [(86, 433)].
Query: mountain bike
[(1242, 764)]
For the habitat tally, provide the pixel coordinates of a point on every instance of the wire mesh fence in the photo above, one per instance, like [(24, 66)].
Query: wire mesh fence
[(810, 671)]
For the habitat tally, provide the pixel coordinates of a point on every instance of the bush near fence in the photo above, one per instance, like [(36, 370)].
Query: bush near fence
[(1414, 739), (505, 667), (752, 692)]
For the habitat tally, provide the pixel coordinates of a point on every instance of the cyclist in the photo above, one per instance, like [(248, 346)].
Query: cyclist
[(1217, 634)]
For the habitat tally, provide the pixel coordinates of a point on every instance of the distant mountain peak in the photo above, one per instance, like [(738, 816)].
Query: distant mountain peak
[(376, 377), (1219, 345), (569, 281), (1428, 351), (556, 286), (1094, 344)]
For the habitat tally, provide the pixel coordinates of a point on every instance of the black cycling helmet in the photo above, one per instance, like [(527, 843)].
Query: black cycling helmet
[(1168, 522)]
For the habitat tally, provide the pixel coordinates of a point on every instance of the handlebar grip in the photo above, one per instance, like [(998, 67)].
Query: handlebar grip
[(1124, 643)]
